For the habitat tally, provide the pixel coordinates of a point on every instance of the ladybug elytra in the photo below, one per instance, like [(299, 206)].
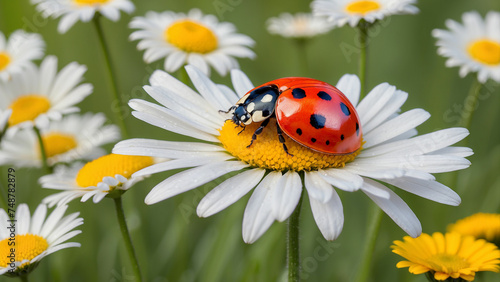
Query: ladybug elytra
[(313, 113)]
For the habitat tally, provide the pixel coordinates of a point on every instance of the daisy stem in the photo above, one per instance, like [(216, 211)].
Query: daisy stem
[(126, 238), (117, 109), (363, 37), (46, 166), (470, 103), (24, 278), (293, 254), (302, 57), (373, 229)]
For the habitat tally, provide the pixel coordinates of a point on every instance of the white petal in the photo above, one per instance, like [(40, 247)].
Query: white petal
[(258, 215), (431, 190), (342, 179), (286, 195), (229, 191), (241, 82), (38, 219), (23, 218), (190, 179), (329, 216), (318, 188), (183, 163), (208, 89), (350, 86), (398, 210), (395, 127)]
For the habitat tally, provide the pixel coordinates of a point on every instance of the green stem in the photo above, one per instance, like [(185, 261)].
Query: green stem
[(302, 57), (470, 104), (373, 229), (24, 278), (293, 254), (45, 164), (111, 76), (126, 238), (363, 38)]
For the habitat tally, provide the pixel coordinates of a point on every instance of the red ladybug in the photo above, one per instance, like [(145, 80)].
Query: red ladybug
[(313, 113)]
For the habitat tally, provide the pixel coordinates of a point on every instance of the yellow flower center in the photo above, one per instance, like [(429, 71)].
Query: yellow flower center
[(190, 36), (110, 165), (447, 263), (28, 107), (362, 7), (58, 143), (267, 152), (90, 2), (485, 51), (4, 60), (27, 247)]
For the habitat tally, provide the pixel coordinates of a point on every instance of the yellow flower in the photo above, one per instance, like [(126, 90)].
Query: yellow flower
[(447, 255), (480, 225)]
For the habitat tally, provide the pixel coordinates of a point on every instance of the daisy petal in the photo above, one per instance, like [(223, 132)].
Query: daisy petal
[(398, 210), (258, 215), (329, 216), (228, 192), (190, 179), (286, 195)]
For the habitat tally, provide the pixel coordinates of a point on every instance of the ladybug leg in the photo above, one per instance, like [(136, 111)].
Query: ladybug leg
[(282, 139), (258, 131), (243, 129)]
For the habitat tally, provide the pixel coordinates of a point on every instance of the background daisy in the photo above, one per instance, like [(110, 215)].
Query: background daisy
[(300, 25), (19, 51), (40, 94), (72, 11), (341, 12), (95, 179), (192, 38), (389, 155), (74, 137), (474, 46), (36, 236)]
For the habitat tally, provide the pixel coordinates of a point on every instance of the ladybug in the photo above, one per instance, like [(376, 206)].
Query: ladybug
[(313, 113)]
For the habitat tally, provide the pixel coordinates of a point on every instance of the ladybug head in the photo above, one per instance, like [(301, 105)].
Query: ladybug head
[(241, 116)]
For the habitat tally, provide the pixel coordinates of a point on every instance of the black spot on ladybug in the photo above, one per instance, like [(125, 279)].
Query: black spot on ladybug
[(357, 129), (299, 131), (345, 109), (324, 96), (313, 140), (342, 137), (327, 142), (317, 121), (298, 93)]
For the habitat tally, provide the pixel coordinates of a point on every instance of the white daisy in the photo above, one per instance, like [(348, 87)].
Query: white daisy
[(40, 94), (390, 154), (74, 137), (473, 46), (193, 38), (98, 178), (73, 10), (341, 12), (300, 25), (35, 236), (18, 52)]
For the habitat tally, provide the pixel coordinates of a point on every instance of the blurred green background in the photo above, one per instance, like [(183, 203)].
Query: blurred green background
[(172, 243)]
